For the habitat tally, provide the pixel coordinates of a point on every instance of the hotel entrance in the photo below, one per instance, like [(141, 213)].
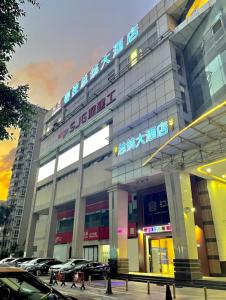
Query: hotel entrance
[(159, 249), (160, 254)]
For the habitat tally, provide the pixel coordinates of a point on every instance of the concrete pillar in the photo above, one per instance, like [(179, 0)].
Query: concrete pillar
[(118, 228), (30, 234), (79, 215), (217, 195), (52, 219), (186, 264)]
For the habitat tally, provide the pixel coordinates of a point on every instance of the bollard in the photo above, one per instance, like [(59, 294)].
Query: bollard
[(89, 280), (109, 289), (82, 287), (55, 277), (148, 287), (205, 293), (75, 279), (51, 278), (127, 287), (174, 291), (168, 293)]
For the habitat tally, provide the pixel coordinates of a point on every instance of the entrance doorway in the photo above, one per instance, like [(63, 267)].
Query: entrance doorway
[(90, 253), (160, 255)]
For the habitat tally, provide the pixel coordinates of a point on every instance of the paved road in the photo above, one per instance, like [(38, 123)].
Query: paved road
[(137, 290)]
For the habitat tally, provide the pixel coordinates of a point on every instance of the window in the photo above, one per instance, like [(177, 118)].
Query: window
[(218, 30), (65, 225), (68, 157), (96, 141), (179, 63), (46, 170), (183, 98)]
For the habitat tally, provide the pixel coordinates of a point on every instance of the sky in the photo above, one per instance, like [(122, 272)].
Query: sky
[(64, 40)]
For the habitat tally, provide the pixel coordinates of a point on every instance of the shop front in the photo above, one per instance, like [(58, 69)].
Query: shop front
[(159, 249)]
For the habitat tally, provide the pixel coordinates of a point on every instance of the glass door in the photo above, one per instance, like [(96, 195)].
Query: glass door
[(161, 256)]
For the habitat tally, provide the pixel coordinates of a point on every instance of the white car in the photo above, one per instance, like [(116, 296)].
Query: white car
[(68, 263), (6, 260), (33, 262)]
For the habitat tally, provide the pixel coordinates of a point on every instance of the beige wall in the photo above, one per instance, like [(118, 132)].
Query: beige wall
[(96, 177), (133, 255), (40, 235), (43, 197), (66, 188), (217, 193)]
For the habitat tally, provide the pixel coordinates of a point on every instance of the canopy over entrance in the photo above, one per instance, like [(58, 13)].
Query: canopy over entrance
[(202, 142)]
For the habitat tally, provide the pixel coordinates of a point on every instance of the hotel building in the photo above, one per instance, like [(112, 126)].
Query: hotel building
[(131, 165)]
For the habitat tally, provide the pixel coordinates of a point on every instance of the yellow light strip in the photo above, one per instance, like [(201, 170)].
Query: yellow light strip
[(198, 120), (196, 5), (200, 170)]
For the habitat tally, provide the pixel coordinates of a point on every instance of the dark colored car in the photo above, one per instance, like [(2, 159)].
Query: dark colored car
[(18, 261), (93, 269), (35, 261), (43, 267), (67, 264), (17, 284)]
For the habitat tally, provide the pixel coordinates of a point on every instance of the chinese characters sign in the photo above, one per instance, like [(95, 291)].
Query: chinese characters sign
[(156, 229), (148, 136), (104, 62), (88, 114)]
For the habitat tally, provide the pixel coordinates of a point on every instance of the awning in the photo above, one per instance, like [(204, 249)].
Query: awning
[(202, 141), (183, 33)]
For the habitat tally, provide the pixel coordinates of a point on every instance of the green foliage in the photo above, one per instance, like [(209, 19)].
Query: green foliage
[(4, 214), (15, 110)]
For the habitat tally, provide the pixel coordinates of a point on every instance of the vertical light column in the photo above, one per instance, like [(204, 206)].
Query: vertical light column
[(178, 187), (217, 195), (80, 207), (118, 228)]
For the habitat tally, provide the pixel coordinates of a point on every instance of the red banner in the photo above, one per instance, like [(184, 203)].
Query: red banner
[(63, 238), (96, 234)]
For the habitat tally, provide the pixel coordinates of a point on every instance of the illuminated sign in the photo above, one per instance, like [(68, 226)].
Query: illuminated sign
[(157, 229), (97, 68), (196, 5), (88, 114), (148, 136)]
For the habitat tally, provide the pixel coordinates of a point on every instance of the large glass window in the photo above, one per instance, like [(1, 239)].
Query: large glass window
[(96, 141), (97, 219), (46, 170), (65, 225), (69, 157)]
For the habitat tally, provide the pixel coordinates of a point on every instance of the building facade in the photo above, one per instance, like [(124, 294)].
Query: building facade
[(22, 183), (98, 195)]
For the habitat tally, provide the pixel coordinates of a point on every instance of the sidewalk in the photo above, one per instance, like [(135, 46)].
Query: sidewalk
[(137, 290)]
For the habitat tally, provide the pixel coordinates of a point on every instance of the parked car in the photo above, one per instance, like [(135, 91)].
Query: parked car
[(68, 263), (34, 262), (18, 261), (6, 260), (17, 284), (43, 267), (93, 269)]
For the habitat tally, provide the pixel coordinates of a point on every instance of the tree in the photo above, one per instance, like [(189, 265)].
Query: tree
[(5, 212), (15, 110)]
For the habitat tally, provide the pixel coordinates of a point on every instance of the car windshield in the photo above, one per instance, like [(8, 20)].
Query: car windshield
[(33, 261), (20, 286)]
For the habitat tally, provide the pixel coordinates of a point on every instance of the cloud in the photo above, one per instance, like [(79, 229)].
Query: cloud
[(6, 162), (49, 80)]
